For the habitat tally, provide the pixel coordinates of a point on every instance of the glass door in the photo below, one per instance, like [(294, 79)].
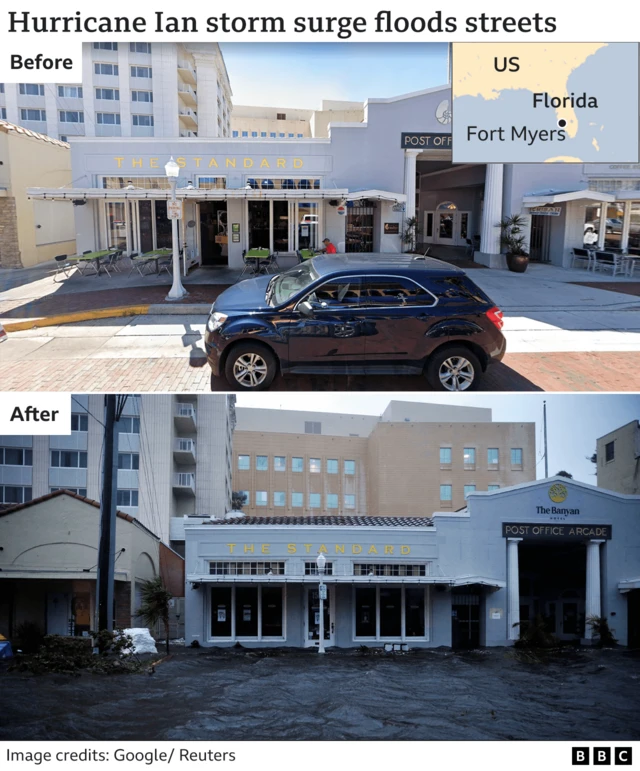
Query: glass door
[(259, 236), (145, 219), (312, 617)]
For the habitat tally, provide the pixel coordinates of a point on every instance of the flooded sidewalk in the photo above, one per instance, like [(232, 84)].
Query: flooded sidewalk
[(278, 695)]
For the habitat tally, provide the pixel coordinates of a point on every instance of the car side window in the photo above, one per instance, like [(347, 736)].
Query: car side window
[(338, 293), (456, 289), (381, 292)]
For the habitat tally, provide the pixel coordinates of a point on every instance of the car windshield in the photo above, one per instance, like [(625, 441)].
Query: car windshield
[(289, 283)]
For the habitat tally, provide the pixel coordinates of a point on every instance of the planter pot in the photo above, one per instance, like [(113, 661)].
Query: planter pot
[(517, 262)]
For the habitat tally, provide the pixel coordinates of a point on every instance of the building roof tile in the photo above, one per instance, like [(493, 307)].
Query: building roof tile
[(328, 520)]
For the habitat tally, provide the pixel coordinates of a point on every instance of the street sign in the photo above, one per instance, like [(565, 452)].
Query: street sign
[(322, 589), (174, 210)]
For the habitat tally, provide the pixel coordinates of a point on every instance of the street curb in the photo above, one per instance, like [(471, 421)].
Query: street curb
[(193, 309)]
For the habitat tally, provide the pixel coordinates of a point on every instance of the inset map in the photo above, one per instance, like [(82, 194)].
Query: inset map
[(545, 102)]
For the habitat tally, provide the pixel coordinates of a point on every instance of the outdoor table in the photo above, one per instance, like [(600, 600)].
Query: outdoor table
[(91, 260), (148, 258), (630, 263), (253, 258), (307, 254)]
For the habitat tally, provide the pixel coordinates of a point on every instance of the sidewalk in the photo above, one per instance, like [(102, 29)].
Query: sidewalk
[(30, 297)]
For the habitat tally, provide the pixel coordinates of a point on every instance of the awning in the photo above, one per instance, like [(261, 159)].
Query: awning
[(377, 195), (183, 193), (571, 195), (207, 578), (629, 584)]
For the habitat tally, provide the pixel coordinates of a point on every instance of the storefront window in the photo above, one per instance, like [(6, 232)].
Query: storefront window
[(281, 226), (390, 612), (146, 226), (414, 612), (163, 226), (307, 225), (246, 611), (359, 232), (365, 608), (634, 226), (271, 611), (117, 230), (259, 225), (379, 612), (221, 611)]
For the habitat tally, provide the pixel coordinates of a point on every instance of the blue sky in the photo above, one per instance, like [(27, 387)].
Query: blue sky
[(574, 421), (303, 74)]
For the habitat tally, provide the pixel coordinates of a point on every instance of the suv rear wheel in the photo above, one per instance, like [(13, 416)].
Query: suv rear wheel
[(453, 369), (250, 367)]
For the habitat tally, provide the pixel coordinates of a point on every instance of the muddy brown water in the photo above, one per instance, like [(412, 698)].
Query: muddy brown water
[(252, 695)]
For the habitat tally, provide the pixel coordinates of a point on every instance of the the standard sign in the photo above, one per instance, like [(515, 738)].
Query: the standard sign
[(423, 141), (546, 211), (536, 531)]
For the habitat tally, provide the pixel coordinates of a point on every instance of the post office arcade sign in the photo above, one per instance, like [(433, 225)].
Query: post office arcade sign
[(425, 141), (536, 531)]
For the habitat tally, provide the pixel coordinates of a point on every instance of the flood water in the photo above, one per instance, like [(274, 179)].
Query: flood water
[(257, 695)]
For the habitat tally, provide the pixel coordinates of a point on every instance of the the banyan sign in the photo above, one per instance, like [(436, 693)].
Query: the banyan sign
[(537, 531)]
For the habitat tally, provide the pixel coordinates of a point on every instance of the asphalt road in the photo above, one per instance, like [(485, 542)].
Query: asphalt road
[(492, 694)]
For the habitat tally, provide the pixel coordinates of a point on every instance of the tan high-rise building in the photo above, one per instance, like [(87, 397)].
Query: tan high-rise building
[(618, 459), (412, 460)]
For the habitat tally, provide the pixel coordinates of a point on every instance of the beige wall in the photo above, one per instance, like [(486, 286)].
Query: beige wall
[(305, 446), (622, 474), (58, 539), (35, 163), (404, 468), (398, 469)]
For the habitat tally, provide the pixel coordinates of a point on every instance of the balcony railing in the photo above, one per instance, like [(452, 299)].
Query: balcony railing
[(184, 482), (184, 451)]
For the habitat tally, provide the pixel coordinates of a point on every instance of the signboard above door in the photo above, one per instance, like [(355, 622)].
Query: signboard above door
[(546, 211), (425, 141)]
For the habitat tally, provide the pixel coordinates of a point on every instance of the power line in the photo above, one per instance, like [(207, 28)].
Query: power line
[(86, 409)]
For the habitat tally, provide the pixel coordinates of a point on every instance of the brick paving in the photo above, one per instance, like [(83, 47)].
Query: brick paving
[(99, 299), (632, 287), (519, 372)]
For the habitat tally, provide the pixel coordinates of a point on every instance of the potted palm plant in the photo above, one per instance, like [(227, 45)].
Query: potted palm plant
[(513, 240)]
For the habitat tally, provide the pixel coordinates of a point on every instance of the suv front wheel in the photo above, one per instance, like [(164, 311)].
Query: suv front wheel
[(453, 369), (250, 367)]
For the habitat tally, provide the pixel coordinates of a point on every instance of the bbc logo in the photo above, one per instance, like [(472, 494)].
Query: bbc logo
[(581, 756)]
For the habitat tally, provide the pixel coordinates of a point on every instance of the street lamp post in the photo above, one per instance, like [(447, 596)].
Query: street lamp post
[(177, 291), (321, 562)]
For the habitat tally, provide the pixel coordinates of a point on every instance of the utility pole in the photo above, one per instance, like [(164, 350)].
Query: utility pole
[(106, 549), (546, 453)]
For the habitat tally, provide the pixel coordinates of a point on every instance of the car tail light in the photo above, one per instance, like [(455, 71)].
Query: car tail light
[(495, 316)]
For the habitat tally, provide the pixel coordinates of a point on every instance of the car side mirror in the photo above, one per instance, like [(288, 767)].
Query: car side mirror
[(305, 308)]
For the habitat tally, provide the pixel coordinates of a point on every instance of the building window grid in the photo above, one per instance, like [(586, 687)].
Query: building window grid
[(349, 467), (516, 456), (311, 569), (244, 462), (280, 463), (262, 463), (129, 461), (279, 498), (349, 501), (332, 466), (262, 498), (493, 457), (609, 452), (388, 569), (376, 611), (31, 89), (446, 493), (15, 494), (315, 465), (16, 456), (68, 459), (246, 568), (108, 94), (127, 498), (469, 457), (105, 68), (445, 456), (70, 92), (82, 491), (71, 116), (469, 489), (40, 116)]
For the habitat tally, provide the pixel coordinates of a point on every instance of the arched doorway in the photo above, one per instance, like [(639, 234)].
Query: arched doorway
[(447, 225)]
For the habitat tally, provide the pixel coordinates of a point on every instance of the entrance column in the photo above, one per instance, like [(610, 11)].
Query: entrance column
[(410, 157), (592, 604), (513, 588), (489, 253)]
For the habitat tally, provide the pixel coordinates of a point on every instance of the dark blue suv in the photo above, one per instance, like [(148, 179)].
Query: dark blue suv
[(346, 314)]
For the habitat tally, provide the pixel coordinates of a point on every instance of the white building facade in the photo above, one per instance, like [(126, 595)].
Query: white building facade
[(359, 186), (129, 90)]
